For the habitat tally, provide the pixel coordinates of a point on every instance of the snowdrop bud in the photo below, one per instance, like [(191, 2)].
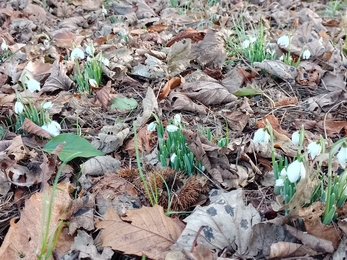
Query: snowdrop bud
[(261, 136), (33, 85), (105, 61), (279, 182), (283, 173), (47, 105), (283, 41), (171, 128), (306, 54), (342, 156), (77, 54), (4, 46), (53, 128), (18, 107), (104, 11), (314, 149), (296, 170), (296, 138)]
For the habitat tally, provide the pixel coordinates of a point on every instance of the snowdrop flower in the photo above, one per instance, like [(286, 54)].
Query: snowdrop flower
[(33, 85), (245, 44), (296, 138), (151, 126), (314, 149), (93, 83), (283, 173), (18, 107), (261, 136), (171, 128), (279, 182), (173, 157), (53, 128), (47, 105), (295, 171), (342, 156), (306, 54), (77, 53), (104, 11), (177, 119), (283, 41), (90, 50), (4, 46)]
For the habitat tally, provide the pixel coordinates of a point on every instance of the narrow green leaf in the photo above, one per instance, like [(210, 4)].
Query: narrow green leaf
[(243, 92)]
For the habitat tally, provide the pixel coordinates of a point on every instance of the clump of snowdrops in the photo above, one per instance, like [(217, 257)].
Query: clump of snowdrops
[(172, 149), (332, 187), (89, 75)]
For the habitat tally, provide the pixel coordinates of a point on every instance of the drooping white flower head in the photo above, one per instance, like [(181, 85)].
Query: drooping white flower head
[(306, 54), (93, 83), (173, 157), (296, 138), (279, 182), (342, 156), (245, 44), (295, 171), (47, 105), (77, 53), (33, 85), (283, 41), (171, 128), (283, 173), (151, 126), (261, 136), (18, 107), (177, 119), (4, 46), (104, 11), (53, 128), (314, 149)]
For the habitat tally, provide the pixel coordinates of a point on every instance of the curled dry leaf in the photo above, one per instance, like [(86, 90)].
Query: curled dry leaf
[(178, 57), (103, 95), (171, 84), (32, 128), (208, 93), (286, 101), (181, 102), (146, 141), (100, 165), (193, 35), (17, 149), (150, 105), (273, 122), (58, 80)]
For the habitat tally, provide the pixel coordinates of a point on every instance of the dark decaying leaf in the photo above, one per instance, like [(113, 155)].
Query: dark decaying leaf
[(103, 95)]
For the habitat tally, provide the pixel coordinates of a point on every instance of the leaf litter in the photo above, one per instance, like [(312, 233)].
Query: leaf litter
[(160, 59)]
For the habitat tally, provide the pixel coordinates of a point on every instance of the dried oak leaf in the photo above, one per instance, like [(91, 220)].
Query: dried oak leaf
[(171, 84), (58, 80), (146, 231)]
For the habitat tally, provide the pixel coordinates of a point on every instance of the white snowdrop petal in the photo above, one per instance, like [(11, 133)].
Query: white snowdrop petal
[(171, 128), (93, 83), (173, 157), (293, 171), (53, 128), (245, 44), (151, 126), (261, 136), (177, 119), (47, 105), (342, 156), (306, 54), (314, 149), (283, 173), (4, 46), (283, 41), (296, 138), (18, 107), (279, 182), (90, 50), (77, 53), (33, 85)]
